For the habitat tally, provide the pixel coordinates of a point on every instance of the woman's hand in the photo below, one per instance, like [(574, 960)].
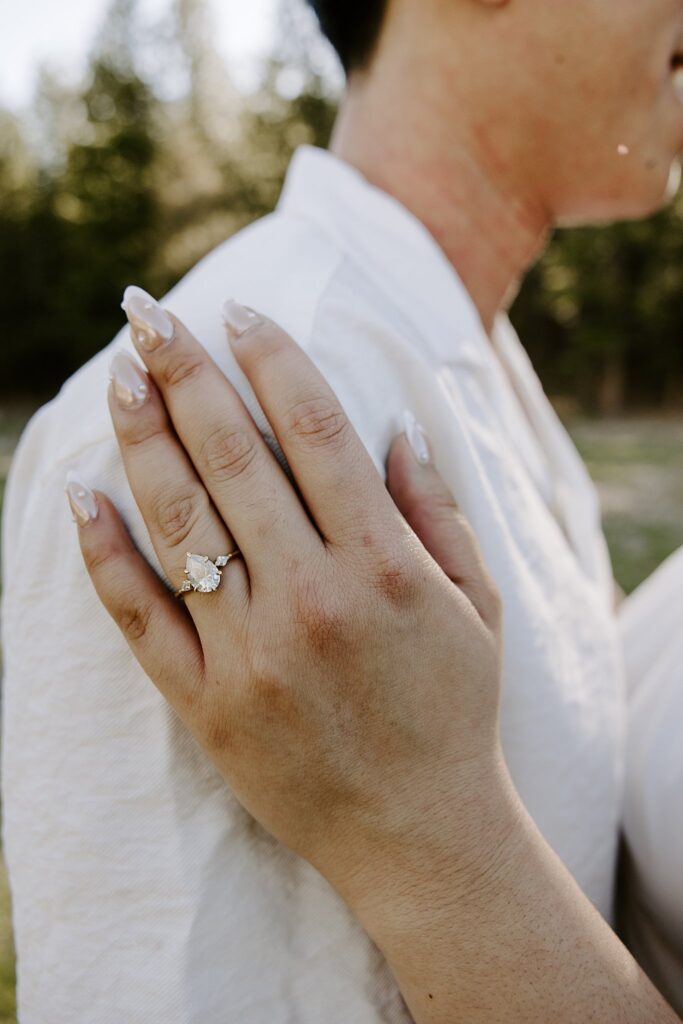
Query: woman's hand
[(341, 682)]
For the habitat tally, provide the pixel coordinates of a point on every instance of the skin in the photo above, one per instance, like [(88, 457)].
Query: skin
[(349, 693), (492, 142)]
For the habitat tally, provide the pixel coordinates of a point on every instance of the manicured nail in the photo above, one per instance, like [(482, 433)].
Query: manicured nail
[(150, 325), (417, 438), (82, 500), (129, 381), (239, 319)]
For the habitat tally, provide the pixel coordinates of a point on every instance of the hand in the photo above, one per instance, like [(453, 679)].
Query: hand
[(344, 684)]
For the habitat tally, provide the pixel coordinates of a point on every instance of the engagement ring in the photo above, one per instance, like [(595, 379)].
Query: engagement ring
[(203, 575)]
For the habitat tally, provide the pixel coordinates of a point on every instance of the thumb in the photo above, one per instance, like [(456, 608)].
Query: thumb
[(432, 512)]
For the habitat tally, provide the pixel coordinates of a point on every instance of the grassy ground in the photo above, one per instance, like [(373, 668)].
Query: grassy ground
[(12, 422), (638, 466), (7, 999)]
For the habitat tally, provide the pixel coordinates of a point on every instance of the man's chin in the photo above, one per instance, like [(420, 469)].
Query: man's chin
[(653, 199), (637, 206)]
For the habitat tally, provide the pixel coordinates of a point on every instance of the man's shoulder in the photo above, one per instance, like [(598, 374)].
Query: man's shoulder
[(277, 265), (286, 267)]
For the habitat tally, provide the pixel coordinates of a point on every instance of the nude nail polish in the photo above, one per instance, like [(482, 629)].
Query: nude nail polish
[(151, 326), (129, 381), (417, 438), (239, 319), (81, 499)]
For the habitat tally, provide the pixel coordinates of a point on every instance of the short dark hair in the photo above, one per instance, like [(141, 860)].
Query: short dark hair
[(352, 26)]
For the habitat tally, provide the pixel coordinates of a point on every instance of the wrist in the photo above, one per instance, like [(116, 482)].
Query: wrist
[(448, 852)]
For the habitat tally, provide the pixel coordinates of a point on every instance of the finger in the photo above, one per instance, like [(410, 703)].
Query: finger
[(177, 510), (157, 628), (248, 487), (433, 514), (332, 468)]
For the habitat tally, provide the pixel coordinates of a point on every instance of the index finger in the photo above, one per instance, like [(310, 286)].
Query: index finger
[(332, 468)]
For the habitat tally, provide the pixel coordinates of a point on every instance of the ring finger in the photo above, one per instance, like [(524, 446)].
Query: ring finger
[(248, 487), (179, 514)]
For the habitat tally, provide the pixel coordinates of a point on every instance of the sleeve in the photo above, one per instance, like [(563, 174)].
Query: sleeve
[(136, 878), (651, 898), (650, 621)]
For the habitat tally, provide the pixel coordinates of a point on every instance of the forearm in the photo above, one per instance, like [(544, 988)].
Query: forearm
[(509, 937)]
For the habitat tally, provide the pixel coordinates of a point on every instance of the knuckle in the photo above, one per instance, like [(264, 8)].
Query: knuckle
[(495, 602), (322, 620), (101, 556), (465, 526), (175, 518), (271, 694), (396, 579), (445, 511), (266, 342), (133, 620), (136, 434), (435, 508), (268, 691), (219, 730), (227, 453), (318, 422), (182, 368)]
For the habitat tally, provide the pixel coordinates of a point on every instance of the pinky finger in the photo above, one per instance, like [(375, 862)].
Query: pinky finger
[(156, 626)]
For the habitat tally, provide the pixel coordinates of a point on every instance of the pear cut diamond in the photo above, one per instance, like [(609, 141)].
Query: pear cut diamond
[(202, 573)]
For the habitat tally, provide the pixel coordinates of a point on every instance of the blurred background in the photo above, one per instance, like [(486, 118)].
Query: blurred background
[(135, 135)]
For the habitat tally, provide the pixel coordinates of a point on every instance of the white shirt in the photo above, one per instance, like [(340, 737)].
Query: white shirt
[(142, 892), (652, 896)]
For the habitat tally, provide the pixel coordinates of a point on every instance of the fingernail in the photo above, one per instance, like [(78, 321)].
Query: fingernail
[(129, 381), (417, 438), (239, 319), (81, 499), (150, 325)]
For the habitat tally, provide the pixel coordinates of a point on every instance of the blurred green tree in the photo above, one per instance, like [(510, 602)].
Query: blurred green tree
[(601, 314), (85, 225), (106, 200)]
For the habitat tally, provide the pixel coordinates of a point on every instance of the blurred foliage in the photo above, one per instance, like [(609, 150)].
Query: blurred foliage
[(116, 182), (601, 314), (157, 158)]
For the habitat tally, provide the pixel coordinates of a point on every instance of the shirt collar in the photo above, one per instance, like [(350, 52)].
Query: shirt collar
[(393, 247)]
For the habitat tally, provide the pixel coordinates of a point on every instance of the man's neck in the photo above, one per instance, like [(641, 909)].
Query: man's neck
[(489, 234)]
